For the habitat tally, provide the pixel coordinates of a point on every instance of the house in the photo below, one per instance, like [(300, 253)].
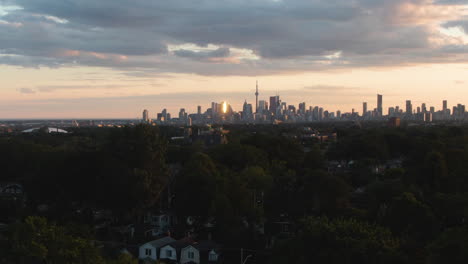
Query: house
[(181, 251), (168, 252), (189, 254), (12, 191), (149, 251), (209, 251)]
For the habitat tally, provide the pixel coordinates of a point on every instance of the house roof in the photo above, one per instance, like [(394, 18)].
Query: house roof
[(158, 243), (206, 245)]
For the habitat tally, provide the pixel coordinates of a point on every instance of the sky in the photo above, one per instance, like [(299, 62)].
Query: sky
[(114, 58)]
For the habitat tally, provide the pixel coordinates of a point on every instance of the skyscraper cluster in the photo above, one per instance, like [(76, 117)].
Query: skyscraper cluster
[(275, 110)]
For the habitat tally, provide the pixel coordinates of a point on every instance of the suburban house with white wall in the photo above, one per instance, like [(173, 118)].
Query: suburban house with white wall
[(150, 250), (181, 251)]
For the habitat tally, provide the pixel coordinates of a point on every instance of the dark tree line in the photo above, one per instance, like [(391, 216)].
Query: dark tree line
[(365, 212)]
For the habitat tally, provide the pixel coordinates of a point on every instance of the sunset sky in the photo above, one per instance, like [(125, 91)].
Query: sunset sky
[(114, 58)]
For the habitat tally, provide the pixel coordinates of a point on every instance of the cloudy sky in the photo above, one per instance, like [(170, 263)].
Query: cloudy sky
[(113, 58)]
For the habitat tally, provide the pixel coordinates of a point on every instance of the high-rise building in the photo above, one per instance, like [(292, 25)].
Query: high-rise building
[(199, 109), (164, 114), (409, 107), (262, 106), (444, 106), (214, 108), (182, 114), (379, 105), (364, 109), (274, 103), (247, 112), (302, 108), (432, 109), (423, 108), (145, 116)]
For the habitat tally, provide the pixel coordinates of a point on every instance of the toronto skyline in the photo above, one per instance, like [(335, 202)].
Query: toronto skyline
[(80, 59)]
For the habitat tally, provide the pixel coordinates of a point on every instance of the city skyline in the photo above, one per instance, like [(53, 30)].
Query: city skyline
[(277, 110)]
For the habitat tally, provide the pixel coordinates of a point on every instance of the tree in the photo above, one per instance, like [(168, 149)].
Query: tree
[(37, 239), (136, 172), (340, 241), (450, 247), (197, 186)]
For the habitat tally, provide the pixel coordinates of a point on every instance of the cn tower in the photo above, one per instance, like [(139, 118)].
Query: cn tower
[(256, 98)]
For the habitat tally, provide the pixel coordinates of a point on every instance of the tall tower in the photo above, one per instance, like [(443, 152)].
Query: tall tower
[(364, 109), (256, 98), (379, 105)]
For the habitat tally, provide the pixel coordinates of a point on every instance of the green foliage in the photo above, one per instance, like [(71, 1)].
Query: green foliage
[(450, 247), (40, 240), (322, 240)]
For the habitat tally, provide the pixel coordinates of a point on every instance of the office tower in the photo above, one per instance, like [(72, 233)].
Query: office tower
[(418, 110), (214, 108), (302, 108), (461, 109), (432, 109), (145, 116), (320, 114), (182, 114), (315, 113), (168, 117), (423, 108), (338, 114), (291, 109), (247, 112), (256, 98), (274, 103), (409, 107), (391, 111), (199, 109), (444, 106), (364, 109), (379, 105), (164, 114), (262, 106)]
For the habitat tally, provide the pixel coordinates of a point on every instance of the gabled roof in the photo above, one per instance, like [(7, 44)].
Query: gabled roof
[(158, 243), (206, 245)]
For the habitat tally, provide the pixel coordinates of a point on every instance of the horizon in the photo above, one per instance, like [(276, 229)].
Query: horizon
[(58, 64)]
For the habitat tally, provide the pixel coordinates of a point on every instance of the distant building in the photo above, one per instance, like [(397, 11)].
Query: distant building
[(394, 122), (364, 109), (409, 107), (379, 105), (145, 116)]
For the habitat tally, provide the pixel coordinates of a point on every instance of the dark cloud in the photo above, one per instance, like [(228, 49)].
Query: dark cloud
[(458, 23), (203, 55), (293, 35)]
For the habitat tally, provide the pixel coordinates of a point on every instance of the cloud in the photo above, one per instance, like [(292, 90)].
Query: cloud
[(26, 90), (203, 55), (280, 36)]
